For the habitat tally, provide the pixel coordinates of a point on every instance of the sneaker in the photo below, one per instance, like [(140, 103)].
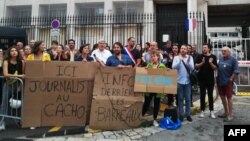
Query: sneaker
[(32, 128), (202, 114), (155, 123), (189, 119), (2, 126), (222, 116), (212, 114), (86, 128), (174, 104), (228, 119)]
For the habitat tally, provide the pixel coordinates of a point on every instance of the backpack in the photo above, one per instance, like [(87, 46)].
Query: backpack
[(172, 113)]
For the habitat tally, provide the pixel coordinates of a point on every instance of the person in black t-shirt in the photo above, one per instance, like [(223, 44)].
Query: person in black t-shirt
[(206, 63), (13, 66)]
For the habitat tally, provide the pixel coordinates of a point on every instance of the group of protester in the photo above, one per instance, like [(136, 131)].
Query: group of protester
[(183, 58)]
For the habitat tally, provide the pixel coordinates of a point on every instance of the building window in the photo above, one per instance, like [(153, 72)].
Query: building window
[(19, 11), (233, 34), (21, 15), (57, 12), (53, 10), (90, 13), (23, 12), (129, 11), (128, 7)]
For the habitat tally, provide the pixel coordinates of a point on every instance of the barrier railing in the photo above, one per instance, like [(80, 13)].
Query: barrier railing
[(240, 50), (239, 47), (11, 99), (243, 79)]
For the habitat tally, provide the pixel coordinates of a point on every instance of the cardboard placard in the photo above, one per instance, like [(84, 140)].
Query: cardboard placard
[(58, 97), (115, 105), (156, 81), (116, 113), (112, 81)]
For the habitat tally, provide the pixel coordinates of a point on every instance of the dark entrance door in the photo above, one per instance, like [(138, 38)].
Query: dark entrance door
[(170, 21)]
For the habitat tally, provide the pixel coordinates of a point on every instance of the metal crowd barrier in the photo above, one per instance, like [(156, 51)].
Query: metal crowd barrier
[(243, 79), (239, 47), (11, 99)]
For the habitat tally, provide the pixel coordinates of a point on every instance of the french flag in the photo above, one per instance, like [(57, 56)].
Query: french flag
[(190, 24)]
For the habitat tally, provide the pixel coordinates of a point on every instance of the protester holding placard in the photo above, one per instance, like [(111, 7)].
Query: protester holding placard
[(153, 46), (119, 59), (38, 53), (101, 54), (154, 64), (175, 52)]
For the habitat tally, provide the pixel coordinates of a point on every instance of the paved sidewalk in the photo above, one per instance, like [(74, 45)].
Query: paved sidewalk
[(208, 129), (127, 135)]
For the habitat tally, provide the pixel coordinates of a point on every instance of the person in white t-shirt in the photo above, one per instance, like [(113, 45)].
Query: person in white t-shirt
[(101, 54)]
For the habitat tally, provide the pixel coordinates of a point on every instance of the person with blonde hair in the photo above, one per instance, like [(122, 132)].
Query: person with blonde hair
[(154, 64), (228, 69)]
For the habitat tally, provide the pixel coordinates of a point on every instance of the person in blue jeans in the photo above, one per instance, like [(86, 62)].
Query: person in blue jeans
[(184, 86)]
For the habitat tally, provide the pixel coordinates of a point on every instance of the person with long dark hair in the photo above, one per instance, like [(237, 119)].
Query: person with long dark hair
[(60, 55), (118, 59), (38, 52), (13, 66), (84, 56)]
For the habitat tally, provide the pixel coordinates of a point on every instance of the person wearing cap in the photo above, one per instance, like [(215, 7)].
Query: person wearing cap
[(119, 59)]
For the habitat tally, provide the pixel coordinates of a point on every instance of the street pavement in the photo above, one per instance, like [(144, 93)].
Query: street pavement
[(201, 129), (208, 129)]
